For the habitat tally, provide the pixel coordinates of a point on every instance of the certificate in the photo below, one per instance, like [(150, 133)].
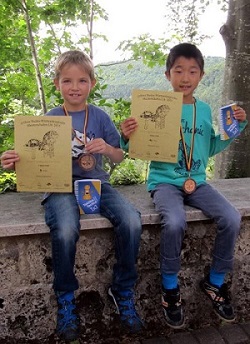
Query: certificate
[(158, 114), (44, 146)]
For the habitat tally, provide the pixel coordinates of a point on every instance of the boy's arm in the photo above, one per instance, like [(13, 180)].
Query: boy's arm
[(8, 160)]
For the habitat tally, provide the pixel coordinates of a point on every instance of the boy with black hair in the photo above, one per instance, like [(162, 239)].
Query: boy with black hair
[(172, 185)]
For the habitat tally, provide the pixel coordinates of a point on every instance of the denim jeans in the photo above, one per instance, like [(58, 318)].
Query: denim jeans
[(169, 202), (63, 219)]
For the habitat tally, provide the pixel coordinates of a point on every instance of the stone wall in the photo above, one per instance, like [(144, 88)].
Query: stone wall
[(27, 302)]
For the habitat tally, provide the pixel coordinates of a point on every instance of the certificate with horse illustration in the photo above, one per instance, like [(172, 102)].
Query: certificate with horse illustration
[(44, 146), (158, 114)]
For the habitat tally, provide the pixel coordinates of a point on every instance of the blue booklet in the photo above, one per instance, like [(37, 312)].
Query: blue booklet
[(88, 194), (229, 126)]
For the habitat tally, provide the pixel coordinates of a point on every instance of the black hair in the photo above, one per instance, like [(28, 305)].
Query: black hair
[(186, 50)]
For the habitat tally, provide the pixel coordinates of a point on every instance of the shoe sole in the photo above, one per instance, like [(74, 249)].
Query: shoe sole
[(171, 325), (214, 309)]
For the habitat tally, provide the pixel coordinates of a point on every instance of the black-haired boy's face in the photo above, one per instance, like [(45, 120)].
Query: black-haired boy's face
[(185, 76)]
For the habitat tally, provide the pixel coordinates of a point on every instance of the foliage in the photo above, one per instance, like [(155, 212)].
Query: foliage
[(129, 172), (183, 26), (147, 49), (52, 23), (121, 78), (112, 93), (7, 181), (210, 169), (58, 25)]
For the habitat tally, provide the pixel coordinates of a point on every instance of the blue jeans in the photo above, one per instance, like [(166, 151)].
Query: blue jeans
[(63, 218), (169, 202)]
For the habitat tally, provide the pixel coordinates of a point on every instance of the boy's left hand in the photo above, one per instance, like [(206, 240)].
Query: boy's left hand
[(128, 126), (240, 114)]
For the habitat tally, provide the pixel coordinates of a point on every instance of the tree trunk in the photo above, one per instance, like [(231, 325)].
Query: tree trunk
[(89, 25), (34, 57), (234, 162)]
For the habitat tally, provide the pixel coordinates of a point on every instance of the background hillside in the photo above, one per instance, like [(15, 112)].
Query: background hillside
[(122, 77)]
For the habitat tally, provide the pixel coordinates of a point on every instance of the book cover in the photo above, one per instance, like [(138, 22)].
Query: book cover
[(158, 114), (229, 126), (88, 194)]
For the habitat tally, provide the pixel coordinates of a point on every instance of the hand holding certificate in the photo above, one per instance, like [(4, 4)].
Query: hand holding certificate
[(158, 114), (44, 147)]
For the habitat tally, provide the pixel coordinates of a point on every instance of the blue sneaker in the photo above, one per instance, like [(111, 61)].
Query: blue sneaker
[(124, 303), (68, 322)]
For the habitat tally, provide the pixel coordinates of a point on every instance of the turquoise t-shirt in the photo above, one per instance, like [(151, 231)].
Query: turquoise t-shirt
[(206, 144)]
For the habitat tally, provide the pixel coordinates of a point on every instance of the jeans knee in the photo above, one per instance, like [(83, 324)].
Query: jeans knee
[(174, 227), (231, 223), (65, 234), (131, 219), (70, 234), (129, 227)]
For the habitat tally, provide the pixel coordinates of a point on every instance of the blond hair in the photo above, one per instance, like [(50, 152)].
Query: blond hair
[(76, 57)]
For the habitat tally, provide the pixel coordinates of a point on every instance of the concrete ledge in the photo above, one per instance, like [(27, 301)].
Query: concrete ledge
[(27, 303), (22, 213)]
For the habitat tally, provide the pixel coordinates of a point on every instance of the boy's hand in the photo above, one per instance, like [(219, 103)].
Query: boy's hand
[(128, 127), (8, 160), (96, 146), (99, 146), (240, 114)]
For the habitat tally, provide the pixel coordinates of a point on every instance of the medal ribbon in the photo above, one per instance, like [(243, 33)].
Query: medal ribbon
[(84, 127), (188, 160)]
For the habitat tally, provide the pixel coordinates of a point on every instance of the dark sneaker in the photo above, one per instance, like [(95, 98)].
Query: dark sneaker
[(220, 298), (68, 322), (172, 307), (125, 307)]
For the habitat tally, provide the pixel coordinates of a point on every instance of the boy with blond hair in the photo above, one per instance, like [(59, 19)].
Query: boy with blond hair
[(93, 136)]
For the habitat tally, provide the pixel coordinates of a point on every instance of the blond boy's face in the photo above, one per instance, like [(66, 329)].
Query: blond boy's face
[(75, 84), (185, 76)]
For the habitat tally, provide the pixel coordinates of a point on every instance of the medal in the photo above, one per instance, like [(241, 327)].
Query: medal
[(87, 161), (189, 186)]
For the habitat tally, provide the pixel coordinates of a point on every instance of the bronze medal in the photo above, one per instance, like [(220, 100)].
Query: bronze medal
[(87, 161), (189, 186)]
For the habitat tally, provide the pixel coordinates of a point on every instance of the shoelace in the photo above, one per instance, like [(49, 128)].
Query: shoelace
[(224, 292), (126, 305), (127, 308), (67, 317), (172, 301)]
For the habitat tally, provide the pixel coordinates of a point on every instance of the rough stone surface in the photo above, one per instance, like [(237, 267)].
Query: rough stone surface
[(209, 336), (181, 338), (27, 303), (234, 334)]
